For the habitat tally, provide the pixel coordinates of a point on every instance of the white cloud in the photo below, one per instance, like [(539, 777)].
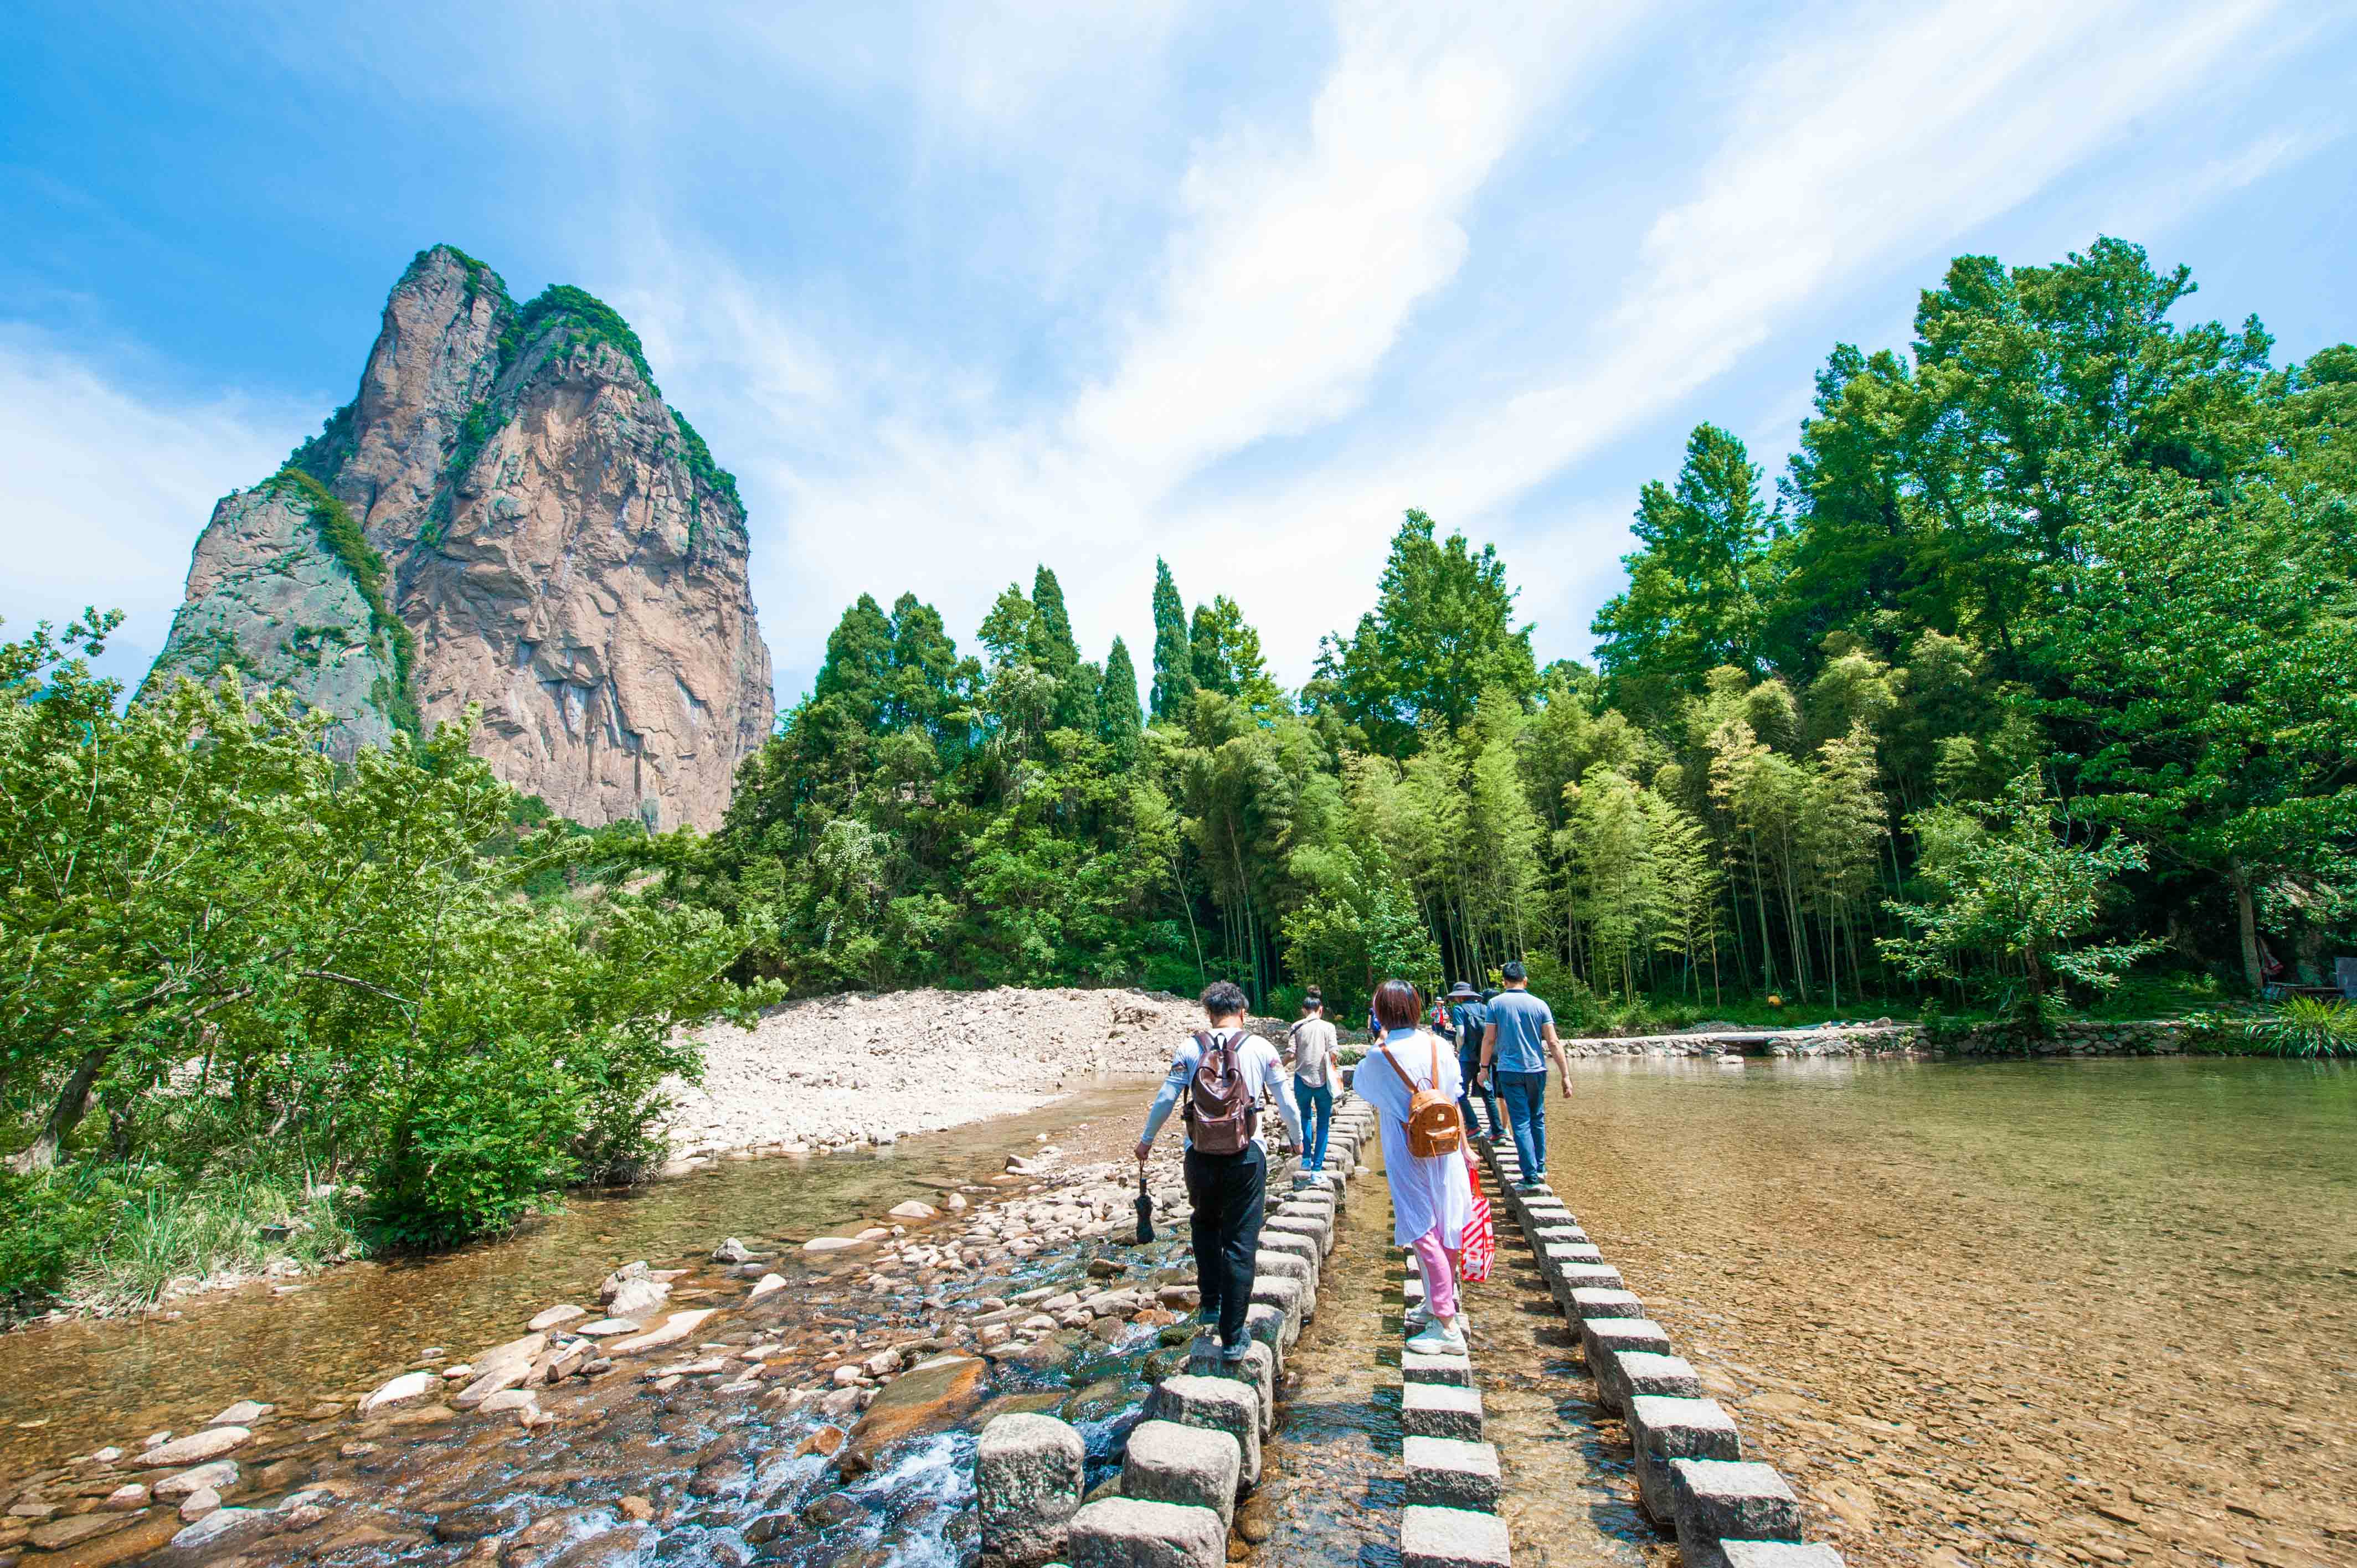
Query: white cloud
[(1302, 257), (1822, 172), (108, 485)]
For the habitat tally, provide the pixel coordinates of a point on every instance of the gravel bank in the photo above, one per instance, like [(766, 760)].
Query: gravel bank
[(845, 1070)]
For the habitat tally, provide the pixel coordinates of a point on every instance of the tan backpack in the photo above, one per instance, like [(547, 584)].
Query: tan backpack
[(1220, 1115), (1433, 1125)]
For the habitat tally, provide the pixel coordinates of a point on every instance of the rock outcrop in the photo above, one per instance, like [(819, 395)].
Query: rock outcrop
[(507, 514)]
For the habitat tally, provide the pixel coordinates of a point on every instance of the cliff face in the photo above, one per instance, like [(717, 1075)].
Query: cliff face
[(560, 547)]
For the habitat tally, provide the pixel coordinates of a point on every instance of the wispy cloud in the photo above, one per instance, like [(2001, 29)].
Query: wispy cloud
[(1822, 174), (107, 482)]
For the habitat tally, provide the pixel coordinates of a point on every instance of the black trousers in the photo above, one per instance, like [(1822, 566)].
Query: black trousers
[(1227, 1192)]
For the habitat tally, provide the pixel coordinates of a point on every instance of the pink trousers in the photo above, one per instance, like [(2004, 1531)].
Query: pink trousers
[(1440, 1277)]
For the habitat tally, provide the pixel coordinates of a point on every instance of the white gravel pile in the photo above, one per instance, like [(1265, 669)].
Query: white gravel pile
[(867, 1070)]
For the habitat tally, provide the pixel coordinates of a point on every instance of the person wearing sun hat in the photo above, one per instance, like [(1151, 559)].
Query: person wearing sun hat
[(1469, 1015)]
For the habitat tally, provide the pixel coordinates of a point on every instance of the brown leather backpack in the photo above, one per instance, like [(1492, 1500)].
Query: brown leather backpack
[(1433, 1125), (1220, 1115)]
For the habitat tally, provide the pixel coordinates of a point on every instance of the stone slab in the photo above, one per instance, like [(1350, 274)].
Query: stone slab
[(1257, 1371), (1634, 1372), (1720, 1500), (1778, 1554), (1588, 1303), (1447, 1473), (1453, 1538), (1607, 1336), (1440, 1410), (1189, 1465), (1216, 1404), (1417, 1367), (1285, 1295), (1131, 1532), (1574, 1278), (1662, 1429), (1027, 1477)]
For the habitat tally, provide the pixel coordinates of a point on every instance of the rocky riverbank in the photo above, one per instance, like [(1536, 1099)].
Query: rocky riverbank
[(1020, 1288), (846, 1072)]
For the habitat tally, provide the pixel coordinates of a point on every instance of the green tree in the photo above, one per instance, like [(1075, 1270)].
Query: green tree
[(1121, 722), (1440, 635), (2212, 704), (1174, 663), (2014, 891), (1696, 582)]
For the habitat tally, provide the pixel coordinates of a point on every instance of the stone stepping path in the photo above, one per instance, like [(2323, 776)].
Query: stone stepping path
[(1454, 1482), (1198, 1452), (1691, 1473)]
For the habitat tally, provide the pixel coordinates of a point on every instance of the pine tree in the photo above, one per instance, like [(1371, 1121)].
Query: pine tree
[(1174, 665), (1120, 720)]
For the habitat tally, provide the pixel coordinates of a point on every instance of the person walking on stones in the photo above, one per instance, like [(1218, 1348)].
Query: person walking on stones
[(1520, 1025), (1222, 1074), (1413, 1085), (1470, 1016), (1309, 1052)]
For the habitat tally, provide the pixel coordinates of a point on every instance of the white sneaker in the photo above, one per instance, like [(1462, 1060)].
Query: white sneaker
[(1416, 1318), (1438, 1337)]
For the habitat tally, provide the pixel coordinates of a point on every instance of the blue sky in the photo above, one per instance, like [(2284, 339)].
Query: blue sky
[(958, 290)]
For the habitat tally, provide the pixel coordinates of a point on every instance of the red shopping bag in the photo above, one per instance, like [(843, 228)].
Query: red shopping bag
[(1480, 1235)]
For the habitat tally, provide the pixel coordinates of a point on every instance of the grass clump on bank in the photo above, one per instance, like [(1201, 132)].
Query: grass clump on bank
[(120, 1237)]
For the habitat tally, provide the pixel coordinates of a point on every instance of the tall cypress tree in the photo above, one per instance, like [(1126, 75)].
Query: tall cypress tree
[(1052, 649), (1174, 670), (1120, 721)]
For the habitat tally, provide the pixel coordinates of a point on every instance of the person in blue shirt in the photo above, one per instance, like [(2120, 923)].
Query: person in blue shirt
[(1471, 1017), (1519, 1027)]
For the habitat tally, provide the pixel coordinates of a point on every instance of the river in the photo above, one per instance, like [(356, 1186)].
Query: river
[(2093, 1312), (68, 1387), (2100, 1310)]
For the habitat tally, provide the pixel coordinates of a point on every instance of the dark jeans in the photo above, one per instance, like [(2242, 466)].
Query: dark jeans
[(1526, 1097), (1226, 1190), (1469, 1067), (1317, 1107)]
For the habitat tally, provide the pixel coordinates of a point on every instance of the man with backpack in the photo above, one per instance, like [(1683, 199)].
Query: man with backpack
[(1221, 1075), (1468, 1011)]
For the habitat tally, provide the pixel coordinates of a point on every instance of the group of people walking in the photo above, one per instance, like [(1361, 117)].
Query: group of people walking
[(1419, 1076)]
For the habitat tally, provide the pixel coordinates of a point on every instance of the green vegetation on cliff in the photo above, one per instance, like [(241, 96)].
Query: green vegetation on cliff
[(340, 533), (569, 319)]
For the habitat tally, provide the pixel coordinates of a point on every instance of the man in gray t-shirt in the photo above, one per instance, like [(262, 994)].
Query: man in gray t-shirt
[(1521, 1027)]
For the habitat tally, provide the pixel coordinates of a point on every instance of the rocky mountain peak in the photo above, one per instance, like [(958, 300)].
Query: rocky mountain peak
[(557, 544)]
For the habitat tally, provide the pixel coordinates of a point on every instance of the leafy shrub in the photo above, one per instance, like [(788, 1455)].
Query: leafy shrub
[(475, 1145), (51, 1221)]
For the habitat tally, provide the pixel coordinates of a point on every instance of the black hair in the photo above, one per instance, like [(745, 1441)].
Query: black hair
[(1314, 1000), (1513, 970), (1225, 999), (1397, 1006)]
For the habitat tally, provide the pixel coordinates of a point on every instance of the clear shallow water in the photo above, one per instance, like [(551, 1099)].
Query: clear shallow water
[(2100, 1311), (69, 1388)]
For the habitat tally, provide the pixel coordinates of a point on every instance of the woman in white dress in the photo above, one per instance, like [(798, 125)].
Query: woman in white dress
[(1431, 1201)]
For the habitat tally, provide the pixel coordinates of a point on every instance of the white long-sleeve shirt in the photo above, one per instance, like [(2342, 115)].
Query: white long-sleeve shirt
[(1425, 1193), (1264, 1079)]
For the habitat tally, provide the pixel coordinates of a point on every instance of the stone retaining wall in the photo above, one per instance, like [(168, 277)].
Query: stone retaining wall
[(2121, 1037)]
